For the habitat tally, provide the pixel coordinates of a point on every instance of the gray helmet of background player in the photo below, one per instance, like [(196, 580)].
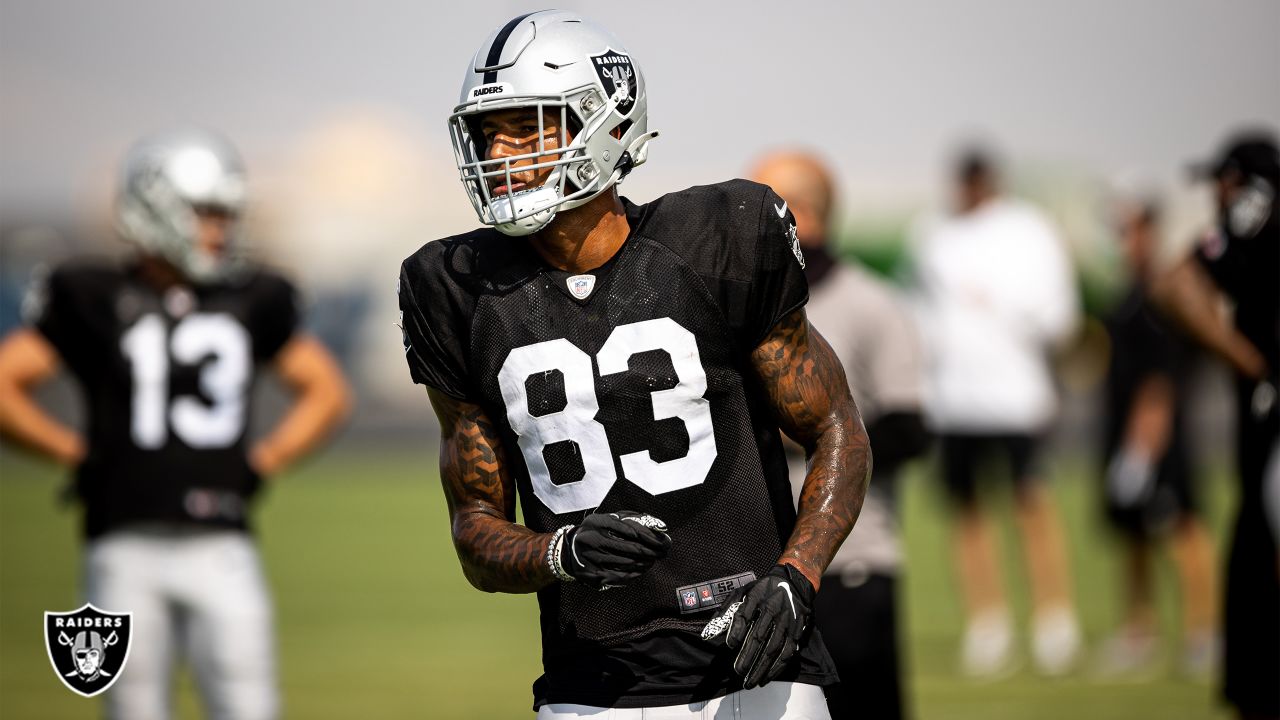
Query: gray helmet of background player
[(168, 180), (1247, 177), (544, 61)]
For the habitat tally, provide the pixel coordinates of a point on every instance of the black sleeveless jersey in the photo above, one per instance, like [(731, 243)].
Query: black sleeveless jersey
[(629, 387), (166, 378)]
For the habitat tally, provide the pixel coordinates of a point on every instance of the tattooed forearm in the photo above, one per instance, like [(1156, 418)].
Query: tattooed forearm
[(810, 396), (497, 554)]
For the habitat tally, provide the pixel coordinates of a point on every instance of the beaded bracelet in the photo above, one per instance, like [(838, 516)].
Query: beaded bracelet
[(554, 553)]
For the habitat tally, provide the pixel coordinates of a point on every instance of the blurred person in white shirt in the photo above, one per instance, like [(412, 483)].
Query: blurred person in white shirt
[(872, 332), (996, 296)]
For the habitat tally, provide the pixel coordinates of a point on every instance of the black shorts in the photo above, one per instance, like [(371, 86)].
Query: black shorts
[(1173, 498), (964, 457), (859, 625)]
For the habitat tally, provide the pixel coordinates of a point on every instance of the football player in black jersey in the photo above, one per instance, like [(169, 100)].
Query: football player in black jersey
[(625, 369), (1240, 258), (166, 348)]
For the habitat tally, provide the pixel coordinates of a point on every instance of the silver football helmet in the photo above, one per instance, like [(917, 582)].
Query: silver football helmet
[(554, 61), (167, 179)]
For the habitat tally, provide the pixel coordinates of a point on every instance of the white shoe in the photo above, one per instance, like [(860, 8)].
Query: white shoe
[(1130, 653), (1201, 655), (987, 648), (1055, 640)]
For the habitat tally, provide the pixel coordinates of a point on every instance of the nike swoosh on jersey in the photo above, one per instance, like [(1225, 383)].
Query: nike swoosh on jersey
[(782, 211), (783, 586)]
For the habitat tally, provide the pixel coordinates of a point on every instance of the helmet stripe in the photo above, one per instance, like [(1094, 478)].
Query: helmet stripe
[(495, 50)]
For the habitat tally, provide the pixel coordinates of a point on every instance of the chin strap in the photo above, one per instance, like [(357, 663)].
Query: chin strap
[(638, 151)]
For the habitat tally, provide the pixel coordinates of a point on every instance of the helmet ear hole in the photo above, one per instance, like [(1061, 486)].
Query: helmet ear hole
[(477, 137), (573, 125)]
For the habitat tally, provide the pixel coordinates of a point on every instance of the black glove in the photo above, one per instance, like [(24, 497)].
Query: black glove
[(765, 622), (611, 549)]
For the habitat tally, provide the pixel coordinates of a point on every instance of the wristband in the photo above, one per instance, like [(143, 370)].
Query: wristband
[(555, 552)]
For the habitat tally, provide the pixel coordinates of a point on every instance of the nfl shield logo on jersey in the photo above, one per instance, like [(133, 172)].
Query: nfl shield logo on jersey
[(618, 78), (580, 286), (88, 647), (689, 598)]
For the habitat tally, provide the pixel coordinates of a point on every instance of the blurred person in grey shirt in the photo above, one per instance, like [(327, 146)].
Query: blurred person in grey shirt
[(996, 296), (875, 338)]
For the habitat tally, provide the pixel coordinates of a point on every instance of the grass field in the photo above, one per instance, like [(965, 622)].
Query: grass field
[(376, 621)]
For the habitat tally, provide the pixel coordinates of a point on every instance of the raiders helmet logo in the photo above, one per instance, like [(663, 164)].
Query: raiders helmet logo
[(88, 647), (617, 78)]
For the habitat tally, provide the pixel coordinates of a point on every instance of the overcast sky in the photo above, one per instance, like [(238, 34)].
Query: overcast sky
[(884, 87)]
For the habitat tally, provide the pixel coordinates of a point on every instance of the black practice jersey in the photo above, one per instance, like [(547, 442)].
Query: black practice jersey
[(167, 378), (630, 387), (1144, 346), (1246, 269)]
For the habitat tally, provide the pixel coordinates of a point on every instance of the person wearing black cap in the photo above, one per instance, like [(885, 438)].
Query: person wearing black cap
[(1241, 259)]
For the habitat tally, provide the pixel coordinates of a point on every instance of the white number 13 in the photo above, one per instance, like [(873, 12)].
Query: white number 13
[(577, 421), (224, 380)]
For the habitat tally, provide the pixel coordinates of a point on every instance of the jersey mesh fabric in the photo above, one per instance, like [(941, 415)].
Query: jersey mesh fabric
[(734, 493)]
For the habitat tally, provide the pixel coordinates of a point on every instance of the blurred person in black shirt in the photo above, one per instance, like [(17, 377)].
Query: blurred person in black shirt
[(1148, 476), (166, 347), (1240, 259)]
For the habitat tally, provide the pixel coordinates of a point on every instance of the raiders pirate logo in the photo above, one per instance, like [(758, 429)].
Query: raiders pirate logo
[(617, 77), (88, 647)]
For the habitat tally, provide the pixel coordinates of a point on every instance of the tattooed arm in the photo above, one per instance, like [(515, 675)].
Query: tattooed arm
[(810, 398), (497, 554)]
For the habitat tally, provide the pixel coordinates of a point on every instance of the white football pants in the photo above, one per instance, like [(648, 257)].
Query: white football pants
[(775, 701), (194, 593)]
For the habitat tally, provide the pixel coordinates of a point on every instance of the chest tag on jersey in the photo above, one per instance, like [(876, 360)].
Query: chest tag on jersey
[(709, 594), (580, 286), (178, 301)]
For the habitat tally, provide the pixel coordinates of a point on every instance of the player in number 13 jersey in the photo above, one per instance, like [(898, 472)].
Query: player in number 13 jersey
[(166, 348), (625, 369)]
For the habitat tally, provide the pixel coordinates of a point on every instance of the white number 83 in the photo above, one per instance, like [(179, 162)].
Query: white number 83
[(577, 421)]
